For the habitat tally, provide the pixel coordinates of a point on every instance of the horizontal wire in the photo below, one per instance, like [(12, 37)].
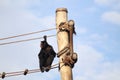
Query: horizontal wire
[(26, 34), (29, 71), (24, 40)]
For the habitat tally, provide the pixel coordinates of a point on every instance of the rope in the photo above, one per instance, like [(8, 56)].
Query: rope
[(26, 34), (25, 40), (3, 75)]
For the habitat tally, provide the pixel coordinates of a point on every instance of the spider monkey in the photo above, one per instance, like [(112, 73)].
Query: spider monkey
[(46, 55)]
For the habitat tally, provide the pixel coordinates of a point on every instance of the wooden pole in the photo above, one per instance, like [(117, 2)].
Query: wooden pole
[(63, 41)]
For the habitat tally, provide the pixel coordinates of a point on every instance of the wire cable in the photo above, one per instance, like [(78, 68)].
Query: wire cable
[(25, 40), (26, 34), (22, 72)]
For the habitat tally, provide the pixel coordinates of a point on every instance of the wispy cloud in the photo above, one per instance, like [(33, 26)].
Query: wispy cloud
[(114, 4), (91, 9), (106, 2), (93, 66), (80, 30), (111, 17)]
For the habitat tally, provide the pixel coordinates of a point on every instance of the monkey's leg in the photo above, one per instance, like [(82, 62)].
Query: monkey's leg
[(41, 64), (49, 62)]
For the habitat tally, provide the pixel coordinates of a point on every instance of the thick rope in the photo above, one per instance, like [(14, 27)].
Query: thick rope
[(3, 75), (25, 40), (26, 34)]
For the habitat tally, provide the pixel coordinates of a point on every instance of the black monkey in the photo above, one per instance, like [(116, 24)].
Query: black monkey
[(46, 55)]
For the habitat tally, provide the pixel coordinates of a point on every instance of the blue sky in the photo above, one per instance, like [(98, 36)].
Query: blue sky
[(97, 23)]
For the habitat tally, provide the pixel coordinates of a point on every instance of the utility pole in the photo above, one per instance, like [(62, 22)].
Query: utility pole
[(67, 57), (63, 40)]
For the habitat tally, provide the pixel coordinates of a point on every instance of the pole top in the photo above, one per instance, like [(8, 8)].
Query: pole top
[(61, 9)]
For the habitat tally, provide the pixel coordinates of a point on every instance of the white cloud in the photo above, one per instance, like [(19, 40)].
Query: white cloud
[(110, 71), (48, 21), (103, 2), (92, 65), (91, 9), (17, 3), (80, 30), (107, 2), (114, 4), (98, 37), (18, 20), (112, 17), (88, 60), (94, 39)]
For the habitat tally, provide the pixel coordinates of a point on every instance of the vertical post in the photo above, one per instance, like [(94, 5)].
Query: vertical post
[(63, 40)]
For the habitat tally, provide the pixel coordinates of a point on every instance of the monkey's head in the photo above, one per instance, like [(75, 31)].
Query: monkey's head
[(43, 44)]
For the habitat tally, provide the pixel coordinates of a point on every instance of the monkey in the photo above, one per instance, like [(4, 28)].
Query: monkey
[(46, 55)]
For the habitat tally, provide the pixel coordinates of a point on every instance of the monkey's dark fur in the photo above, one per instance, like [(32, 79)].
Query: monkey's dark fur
[(46, 56)]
